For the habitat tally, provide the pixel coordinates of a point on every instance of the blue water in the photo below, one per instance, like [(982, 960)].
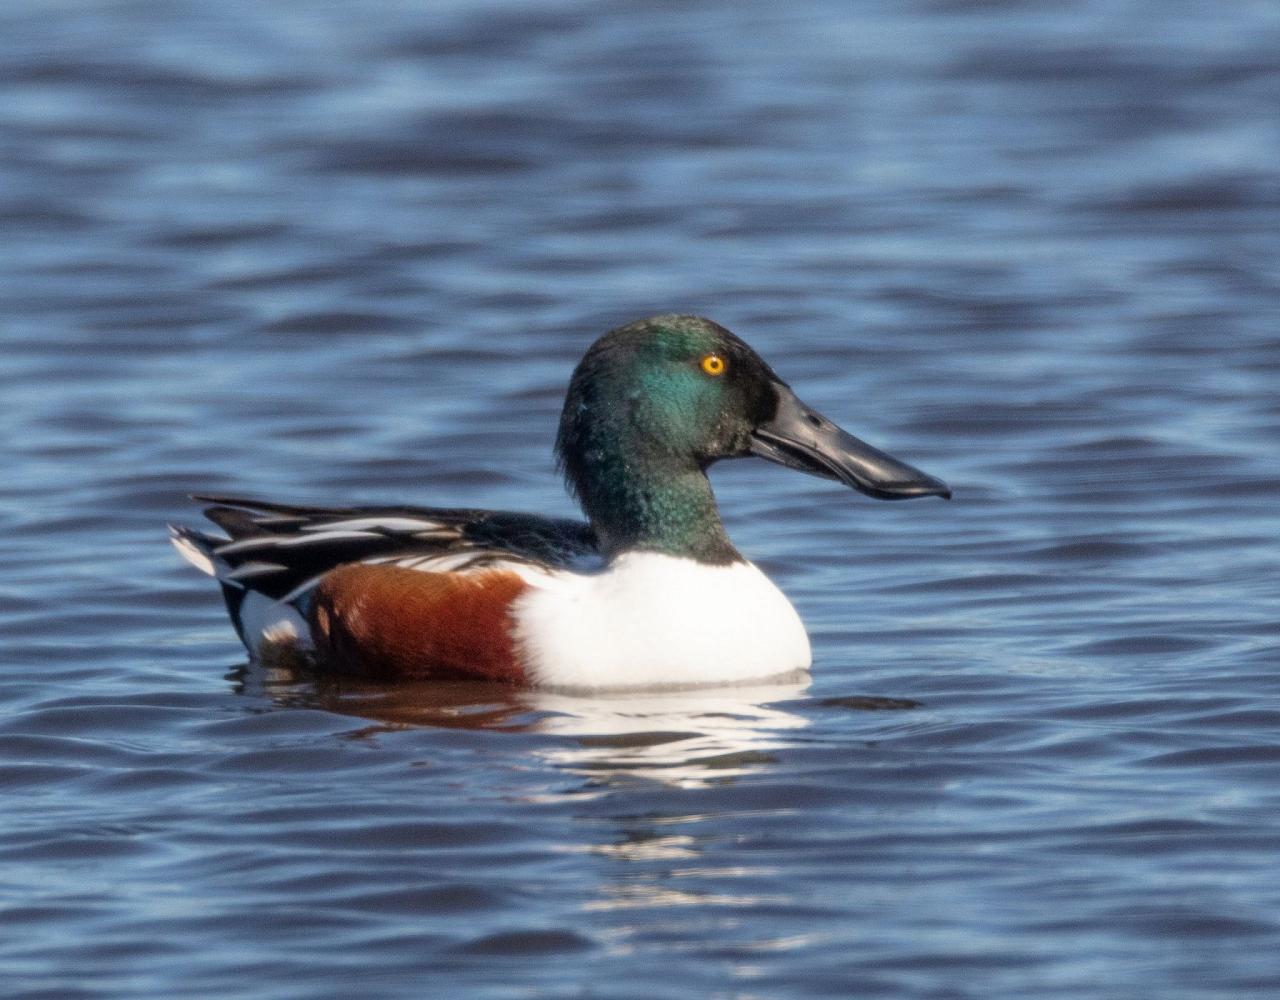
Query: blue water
[(350, 253)]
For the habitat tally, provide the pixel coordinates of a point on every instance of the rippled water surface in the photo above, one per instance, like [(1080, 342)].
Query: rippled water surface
[(344, 253)]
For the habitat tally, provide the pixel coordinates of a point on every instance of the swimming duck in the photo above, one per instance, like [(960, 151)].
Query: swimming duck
[(649, 593)]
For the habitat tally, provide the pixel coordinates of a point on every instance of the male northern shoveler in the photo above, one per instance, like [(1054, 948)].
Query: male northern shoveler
[(650, 593)]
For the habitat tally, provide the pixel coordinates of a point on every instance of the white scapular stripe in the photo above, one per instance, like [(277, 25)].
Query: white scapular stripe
[(246, 571), (396, 524), (289, 541)]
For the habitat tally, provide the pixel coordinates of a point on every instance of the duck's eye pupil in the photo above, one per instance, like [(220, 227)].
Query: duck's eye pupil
[(713, 364)]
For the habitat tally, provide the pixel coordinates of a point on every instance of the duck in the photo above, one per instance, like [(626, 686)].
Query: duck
[(647, 593)]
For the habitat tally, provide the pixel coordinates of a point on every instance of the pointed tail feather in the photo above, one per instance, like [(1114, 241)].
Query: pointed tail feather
[(197, 548)]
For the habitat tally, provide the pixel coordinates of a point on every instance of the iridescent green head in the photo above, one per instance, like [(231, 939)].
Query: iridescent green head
[(654, 403)]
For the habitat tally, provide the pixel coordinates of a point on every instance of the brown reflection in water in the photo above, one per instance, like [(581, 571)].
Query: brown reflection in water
[(392, 706)]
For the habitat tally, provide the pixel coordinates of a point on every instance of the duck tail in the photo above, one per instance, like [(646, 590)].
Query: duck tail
[(198, 548)]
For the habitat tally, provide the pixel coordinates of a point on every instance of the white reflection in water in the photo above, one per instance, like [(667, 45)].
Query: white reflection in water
[(680, 738)]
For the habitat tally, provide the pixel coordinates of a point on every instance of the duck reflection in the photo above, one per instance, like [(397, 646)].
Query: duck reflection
[(679, 738), (682, 738), (653, 838)]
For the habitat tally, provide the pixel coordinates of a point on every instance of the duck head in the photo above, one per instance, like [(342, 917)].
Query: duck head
[(654, 403)]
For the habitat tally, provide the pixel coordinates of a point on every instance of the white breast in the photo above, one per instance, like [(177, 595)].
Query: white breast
[(651, 620)]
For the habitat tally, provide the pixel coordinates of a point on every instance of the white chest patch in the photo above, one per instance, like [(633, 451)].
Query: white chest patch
[(651, 620)]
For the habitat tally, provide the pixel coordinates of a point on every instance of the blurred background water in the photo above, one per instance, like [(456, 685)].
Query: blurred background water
[(350, 253)]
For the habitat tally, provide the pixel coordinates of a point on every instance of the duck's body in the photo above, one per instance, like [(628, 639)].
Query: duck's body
[(412, 595), (650, 593)]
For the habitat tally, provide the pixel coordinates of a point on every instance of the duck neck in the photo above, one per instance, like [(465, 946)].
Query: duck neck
[(636, 507)]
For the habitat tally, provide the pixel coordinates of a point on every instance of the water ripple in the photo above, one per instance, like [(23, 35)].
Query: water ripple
[(350, 253)]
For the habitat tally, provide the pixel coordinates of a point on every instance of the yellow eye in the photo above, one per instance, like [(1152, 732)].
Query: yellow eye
[(713, 365)]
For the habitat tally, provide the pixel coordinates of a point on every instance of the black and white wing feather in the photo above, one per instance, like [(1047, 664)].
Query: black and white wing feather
[(281, 550)]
